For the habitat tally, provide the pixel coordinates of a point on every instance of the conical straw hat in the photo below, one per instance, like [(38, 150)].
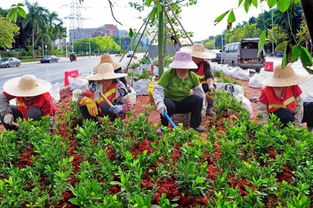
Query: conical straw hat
[(199, 51), (106, 58), (104, 71), (26, 86), (285, 77)]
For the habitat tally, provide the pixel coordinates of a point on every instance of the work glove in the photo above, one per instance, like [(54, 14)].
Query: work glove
[(8, 119), (116, 109), (161, 108), (211, 88), (91, 105)]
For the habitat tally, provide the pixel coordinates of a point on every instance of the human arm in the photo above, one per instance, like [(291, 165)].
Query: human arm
[(5, 104), (299, 111)]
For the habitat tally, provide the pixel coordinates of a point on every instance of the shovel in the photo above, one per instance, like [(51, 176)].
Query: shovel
[(169, 119)]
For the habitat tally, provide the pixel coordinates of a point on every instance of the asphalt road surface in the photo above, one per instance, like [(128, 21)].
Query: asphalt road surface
[(54, 72)]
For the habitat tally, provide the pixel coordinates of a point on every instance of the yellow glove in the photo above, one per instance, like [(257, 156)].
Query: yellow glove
[(90, 104)]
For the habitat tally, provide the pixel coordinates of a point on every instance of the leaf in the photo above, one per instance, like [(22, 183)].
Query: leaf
[(247, 5), (130, 33), (21, 12), (221, 17), (240, 2), (255, 3), (152, 15), (231, 17), (273, 36), (20, 4), (148, 2), (283, 5), (271, 3), (261, 42), (306, 57), (159, 8), (12, 15), (285, 59), (296, 50)]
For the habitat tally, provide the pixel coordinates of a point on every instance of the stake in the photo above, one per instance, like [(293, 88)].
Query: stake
[(106, 100)]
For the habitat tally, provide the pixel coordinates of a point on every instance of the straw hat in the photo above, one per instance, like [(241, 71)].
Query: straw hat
[(106, 58), (104, 71), (183, 60), (26, 86), (285, 77), (198, 50)]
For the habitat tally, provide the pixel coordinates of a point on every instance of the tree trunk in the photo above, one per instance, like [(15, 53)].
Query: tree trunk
[(308, 12), (33, 42), (161, 42)]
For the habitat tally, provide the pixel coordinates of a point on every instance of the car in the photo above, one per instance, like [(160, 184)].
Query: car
[(49, 59), (130, 54), (10, 62), (217, 58)]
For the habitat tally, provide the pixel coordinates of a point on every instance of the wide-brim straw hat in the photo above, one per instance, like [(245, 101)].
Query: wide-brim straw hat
[(104, 71), (106, 58), (26, 86), (183, 60), (285, 77), (199, 51)]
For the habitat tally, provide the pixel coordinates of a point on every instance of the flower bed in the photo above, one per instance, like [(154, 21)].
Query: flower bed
[(236, 163)]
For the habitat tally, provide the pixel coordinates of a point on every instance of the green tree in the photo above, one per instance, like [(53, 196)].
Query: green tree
[(7, 32), (245, 31)]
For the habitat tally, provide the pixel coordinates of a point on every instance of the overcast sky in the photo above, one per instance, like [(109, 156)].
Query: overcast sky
[(198, 18)]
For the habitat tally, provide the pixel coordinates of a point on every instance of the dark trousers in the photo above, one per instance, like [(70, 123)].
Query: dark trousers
[(104, 111), (191, 104), (286, 115), (205, 88), (34, 113)]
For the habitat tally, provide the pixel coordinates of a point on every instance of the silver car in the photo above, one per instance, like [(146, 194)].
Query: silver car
[(10, 62)]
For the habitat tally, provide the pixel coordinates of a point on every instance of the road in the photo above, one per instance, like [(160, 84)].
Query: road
[(54, 72)]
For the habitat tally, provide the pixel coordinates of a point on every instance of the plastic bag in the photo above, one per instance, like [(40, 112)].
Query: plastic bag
[(245, 103), (55, 92), (141, 86), (132, 96), (76, 93), (256, 80), (77, 83)]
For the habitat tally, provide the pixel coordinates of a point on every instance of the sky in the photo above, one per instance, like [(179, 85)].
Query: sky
[(198, 18)]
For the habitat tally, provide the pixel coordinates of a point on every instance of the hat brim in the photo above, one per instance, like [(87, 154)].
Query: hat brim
[(11, 87), (207, 54), (183, 65), (295, 80), (115, 65), (98, 77)]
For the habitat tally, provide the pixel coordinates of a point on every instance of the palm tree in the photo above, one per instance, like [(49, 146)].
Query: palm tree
[(36, 17)]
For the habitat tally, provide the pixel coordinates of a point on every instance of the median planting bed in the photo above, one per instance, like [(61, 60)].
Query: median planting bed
[(235, 163)]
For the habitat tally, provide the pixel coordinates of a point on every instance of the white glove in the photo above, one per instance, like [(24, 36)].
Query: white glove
[(161, 108), (211, 88), (116, 109), (8, 118)]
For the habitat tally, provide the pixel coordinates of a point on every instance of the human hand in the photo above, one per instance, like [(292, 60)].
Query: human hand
[(91, 106), (8, 119), (116, 109), (161, 108)]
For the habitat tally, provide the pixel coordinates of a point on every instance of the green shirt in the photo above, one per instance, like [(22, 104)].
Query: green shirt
[(176, 88)]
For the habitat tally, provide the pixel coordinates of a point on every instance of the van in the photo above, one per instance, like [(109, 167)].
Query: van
[(243, 54)]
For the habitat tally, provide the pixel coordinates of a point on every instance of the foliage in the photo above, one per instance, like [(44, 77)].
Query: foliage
[(97, 44), (7, 32), (245, 31)]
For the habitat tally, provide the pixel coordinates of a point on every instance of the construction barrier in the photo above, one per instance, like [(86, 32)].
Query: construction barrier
[(73, 73)]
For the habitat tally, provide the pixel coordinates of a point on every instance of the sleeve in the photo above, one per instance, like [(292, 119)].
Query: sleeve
[(299, 111), (296, 90), (207, 70), (5, 103), (48, 106), (158, 94), (262, 111), (122, 92), (199, 91), (263, 99)]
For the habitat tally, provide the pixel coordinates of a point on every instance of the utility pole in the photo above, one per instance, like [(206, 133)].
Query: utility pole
[(272, 28), (161, 40)]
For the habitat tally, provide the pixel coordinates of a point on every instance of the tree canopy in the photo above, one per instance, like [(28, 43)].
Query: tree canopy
[(7, 32)]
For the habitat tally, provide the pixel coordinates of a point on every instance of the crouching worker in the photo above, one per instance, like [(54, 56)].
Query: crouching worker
[(172, 93), (281, 96), (199, 56), (106, 95), (33, 100)]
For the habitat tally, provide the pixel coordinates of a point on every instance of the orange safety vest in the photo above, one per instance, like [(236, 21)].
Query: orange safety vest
[(200, 74), (109, 94), (288, 101)]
